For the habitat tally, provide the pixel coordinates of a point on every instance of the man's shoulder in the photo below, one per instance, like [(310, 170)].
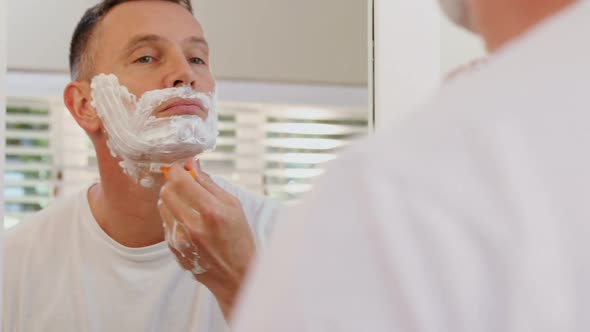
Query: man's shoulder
[(47, 225), (249, 200), (37, 246), (261, 211)]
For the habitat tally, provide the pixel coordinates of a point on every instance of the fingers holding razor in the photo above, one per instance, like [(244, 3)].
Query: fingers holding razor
[(215, 226), (184, 227), (194, 168)]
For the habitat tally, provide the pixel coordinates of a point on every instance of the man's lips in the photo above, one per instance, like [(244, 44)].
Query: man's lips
[(179, 106)]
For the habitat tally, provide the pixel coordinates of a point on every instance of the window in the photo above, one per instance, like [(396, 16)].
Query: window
[(30, 174), (267, 148), (298, 143)]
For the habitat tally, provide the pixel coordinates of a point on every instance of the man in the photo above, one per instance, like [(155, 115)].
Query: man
[(98, 261), (470, 214)]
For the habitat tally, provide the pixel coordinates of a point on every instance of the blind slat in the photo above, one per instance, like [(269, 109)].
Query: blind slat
[(313, 129), (30, 199), (26, 134), (8, 183), (300, 158), (305, 143), (27, 119), (296, 188), (12, 167), (28, 151)]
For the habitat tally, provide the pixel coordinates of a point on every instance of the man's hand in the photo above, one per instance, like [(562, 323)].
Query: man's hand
[(207, 231)]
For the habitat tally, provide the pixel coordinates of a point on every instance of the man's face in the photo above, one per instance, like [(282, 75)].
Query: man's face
[(153, 45)]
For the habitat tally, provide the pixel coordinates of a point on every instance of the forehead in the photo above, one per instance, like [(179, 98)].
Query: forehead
[(166, 19)]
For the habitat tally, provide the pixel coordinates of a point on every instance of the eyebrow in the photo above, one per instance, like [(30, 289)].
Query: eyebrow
[(137, 41), (197, 41)]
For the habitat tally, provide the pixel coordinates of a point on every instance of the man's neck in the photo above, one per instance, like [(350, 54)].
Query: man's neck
[(500, 21), (125, 210)]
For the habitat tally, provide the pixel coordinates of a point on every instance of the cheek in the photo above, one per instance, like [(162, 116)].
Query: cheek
[(138, 85), (206, 81)]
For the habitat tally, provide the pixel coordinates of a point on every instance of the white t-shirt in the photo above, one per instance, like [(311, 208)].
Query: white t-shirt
[(63, 273), (470, 214)]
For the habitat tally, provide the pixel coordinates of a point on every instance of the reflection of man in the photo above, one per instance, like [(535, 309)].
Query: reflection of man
[(98, 261), (470, 214)]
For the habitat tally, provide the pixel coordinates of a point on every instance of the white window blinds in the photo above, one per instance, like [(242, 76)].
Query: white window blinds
[(30, 175), (299, 141), (272, 149)]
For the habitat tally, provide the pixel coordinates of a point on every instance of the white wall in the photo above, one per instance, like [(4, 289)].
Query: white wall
[(407, 55), (2, 138), (288, 40), (39, 32), (415, 46), (303, 41)]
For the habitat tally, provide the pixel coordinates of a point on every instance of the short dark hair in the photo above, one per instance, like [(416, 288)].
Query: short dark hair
[(80, 61)]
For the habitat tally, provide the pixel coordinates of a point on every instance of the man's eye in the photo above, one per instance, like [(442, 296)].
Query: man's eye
[(197, 61), (145, 59)]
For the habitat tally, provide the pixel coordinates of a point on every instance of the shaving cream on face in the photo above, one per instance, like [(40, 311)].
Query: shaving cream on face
[(143, 142)]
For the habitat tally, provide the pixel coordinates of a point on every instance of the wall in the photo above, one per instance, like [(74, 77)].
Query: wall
[(303, 41), (407, 55), (2, 140), (415, 46)]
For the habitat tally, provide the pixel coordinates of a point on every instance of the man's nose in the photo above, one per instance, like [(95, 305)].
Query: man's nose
[(178, 83), (181, 73)]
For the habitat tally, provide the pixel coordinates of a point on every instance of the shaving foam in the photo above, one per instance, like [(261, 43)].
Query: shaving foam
[(143, 142), (178, 238)]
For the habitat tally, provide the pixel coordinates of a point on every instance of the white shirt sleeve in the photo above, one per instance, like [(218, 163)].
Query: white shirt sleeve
[(369, 251), (325, 269)]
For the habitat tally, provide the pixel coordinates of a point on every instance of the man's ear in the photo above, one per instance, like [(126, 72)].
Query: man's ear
[(77, 99)]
